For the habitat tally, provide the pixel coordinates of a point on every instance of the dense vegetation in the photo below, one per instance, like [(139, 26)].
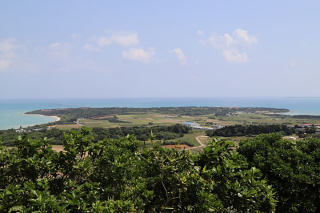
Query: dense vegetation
[(115, 175), (144, 133), (246, 130), (72, 114), (56, 136), (291, 167), (264, 174)]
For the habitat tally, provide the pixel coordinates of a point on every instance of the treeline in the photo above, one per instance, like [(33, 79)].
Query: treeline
[(143, 133), (247, 130), (292, 168), (72, 114), (264, 174), (111, 119), (56, 136)]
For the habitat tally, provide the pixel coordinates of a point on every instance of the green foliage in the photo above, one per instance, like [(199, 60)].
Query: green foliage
[(56, 136), (238, 186), (246, 130), (291, 167), (143, 133), (115, 175)]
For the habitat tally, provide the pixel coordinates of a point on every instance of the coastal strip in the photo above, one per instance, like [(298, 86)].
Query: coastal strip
[(30, 122), (57, 118)]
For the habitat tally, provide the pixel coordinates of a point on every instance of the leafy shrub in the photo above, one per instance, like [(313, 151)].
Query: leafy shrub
[(116, 175)]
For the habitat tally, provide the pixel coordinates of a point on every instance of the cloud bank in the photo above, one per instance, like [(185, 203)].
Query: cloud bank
[(121, 39), (138, 54), (180, 55), (233, 47)]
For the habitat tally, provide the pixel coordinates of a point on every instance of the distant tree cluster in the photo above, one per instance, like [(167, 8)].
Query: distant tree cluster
[(112, 119), (246, 130), (143, 133), (56, 136)]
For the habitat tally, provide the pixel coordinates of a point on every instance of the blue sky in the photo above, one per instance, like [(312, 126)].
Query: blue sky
[(108, 49)]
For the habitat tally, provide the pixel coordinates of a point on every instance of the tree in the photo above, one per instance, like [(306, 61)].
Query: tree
[(118, 175), (291, 167)]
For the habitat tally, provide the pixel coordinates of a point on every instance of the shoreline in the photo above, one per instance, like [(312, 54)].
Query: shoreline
[(52, 116), (57, 118)]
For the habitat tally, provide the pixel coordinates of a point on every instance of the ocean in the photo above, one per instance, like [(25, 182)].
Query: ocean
[(12, 111)]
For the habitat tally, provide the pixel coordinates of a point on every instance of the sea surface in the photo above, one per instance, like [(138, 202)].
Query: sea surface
[(12, 111)]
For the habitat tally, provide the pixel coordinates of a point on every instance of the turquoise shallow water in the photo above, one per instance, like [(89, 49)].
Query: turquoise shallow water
[(11, 111), (17, 118)]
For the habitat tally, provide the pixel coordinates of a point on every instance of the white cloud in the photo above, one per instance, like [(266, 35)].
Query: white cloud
[(8, 49), (235, 56), (138, 54), (130, 39), (122, 39), (243, 35), (233, 47), (180, 55), (221, 42)]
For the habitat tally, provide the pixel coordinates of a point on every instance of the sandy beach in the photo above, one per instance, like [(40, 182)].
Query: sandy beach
[(52, 116), (56, 117)]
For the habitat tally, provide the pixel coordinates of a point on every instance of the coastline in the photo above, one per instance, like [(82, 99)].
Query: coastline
[(12, 111), (52, 116), (57, 118)]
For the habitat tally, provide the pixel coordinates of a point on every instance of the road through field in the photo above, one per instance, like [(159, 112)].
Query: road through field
[(200, 142)]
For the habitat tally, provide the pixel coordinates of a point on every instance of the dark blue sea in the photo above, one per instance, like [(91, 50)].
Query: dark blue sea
[(12, 111)]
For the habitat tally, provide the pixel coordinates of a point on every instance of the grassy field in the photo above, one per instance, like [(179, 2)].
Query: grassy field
[(152, 119), (255, 119), (190, 138), (139, 119)]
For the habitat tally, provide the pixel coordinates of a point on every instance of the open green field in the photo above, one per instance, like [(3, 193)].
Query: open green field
[(190, 138), (152, 119), (139, 119), (257, 118)]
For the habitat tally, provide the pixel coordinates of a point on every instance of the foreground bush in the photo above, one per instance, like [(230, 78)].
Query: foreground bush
[(291, 167), (116, 175)]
